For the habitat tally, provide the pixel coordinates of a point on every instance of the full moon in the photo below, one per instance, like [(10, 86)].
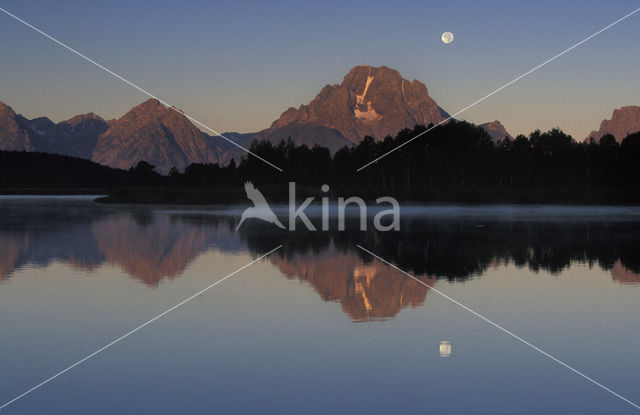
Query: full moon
[(445, 348), (447, 37)]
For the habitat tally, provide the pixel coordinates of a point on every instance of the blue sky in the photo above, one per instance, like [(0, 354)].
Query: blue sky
[(237, 65)]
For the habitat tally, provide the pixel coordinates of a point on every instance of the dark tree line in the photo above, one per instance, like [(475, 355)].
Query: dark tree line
[(20, 169), (456, 162)]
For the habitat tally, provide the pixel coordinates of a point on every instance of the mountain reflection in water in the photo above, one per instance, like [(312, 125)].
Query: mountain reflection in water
[(150, 245)]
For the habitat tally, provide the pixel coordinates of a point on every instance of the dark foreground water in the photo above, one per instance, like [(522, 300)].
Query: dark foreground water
[(319, 326)]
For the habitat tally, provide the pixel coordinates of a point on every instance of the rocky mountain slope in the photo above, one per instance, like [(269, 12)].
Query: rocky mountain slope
[(160, 135), (76, 136), (370, 101), (373, 101), (13, 134), (624, 121), (496, 130)]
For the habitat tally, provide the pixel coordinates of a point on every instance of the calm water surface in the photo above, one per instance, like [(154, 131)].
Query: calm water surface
[(319, 326)]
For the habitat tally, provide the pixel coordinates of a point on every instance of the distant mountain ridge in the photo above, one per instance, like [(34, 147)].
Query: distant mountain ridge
[(496, 130), (14, 134), (76, 136), (150, 131), (624, 121)]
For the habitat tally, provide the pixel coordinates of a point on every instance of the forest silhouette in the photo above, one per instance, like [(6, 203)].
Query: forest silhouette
[(455, 162)]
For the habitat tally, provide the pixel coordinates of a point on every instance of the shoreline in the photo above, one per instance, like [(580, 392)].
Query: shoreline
[(278, 194), (54, 192)]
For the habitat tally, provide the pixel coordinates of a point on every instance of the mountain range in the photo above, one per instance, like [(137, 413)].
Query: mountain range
[(370, 101), (150, 131)]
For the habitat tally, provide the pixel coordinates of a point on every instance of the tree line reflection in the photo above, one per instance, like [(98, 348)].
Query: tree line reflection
[(151, 246)]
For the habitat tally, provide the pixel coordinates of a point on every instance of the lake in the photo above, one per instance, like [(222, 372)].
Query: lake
[(319, 326)]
